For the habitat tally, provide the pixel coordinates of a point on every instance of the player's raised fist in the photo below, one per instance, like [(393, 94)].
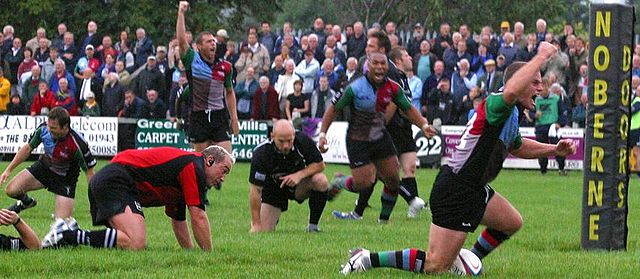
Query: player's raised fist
[(547, 50), (184, 5)]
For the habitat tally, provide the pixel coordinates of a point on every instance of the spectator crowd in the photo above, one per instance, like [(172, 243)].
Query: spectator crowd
[(281, 75)]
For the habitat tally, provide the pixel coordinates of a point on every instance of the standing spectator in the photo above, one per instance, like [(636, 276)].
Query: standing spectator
[(123, 74), (579, 114), (424, 61), (338, 67), (91, 38), (267, 38), (143, 47), (154, 108), (58, 40), (69, 51), (472, 45), (443, 41), (297, 104), (341, 40), (558, 65), (583, 83), (59, 73), (246, 60), (34, 43), (351, 73), (434, 79), (541, 30), (465, 108), (148, 79), (109, 66), (24, 69), (321, 97), (415, 43), (30, 86), (91, 107), (122, 42), (340, 56), (505, 28), (438, 105), (566, 32), (277, 69), (416, 89), (112, 95), (491, 81), (519, 37), (7, 43), (509, 49), (260, 54), (13, 57), (287, 30), (88, 85), (245, 90), (265, 102), (308, 69), (328, 71), (178, 109), (529, 51), (489, 40), (479, 60), (43, 101), (221, 46), (314, 45), (41, 52), (65, 99), (87, 61), (357, 43), (548, 107), (232, 55), (462, 80), (284, 86), (106, 48), (133, 106), (48, 66), (318, 30), (5, 92), (454, 54), (126, 56)]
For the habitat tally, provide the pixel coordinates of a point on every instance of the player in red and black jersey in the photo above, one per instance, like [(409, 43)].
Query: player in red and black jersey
[(165, 176), (27, 240)]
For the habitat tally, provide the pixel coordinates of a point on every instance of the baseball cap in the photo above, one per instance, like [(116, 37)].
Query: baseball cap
[(90, 95), (505, 24)]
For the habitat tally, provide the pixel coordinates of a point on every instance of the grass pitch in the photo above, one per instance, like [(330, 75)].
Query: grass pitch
[(548, 246)]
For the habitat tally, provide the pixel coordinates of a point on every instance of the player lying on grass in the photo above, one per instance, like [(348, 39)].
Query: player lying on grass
[(27, 240)]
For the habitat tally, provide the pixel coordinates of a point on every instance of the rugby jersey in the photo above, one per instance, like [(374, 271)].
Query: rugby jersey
[(63, 156)]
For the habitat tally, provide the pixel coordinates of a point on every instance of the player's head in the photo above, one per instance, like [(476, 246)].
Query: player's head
[(283, 135), (534, 88), (378, 67), (206, 42), (378, 42), (218, 163), (58, 122)]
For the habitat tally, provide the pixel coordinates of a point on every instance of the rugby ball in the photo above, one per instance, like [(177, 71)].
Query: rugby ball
[(466, 264)]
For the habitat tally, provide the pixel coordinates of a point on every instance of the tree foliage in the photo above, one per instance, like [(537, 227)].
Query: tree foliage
[(112, 16)]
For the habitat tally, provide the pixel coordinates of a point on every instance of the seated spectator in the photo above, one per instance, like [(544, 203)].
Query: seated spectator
[(16, 107), (109, 66), (464, 108), (265, 101), (491, 81), (133, 106), (321, 98), (351, 73), (297, 104), (112, 95), (65, 99), (529, 51), (245, 90), (5, 91), (88, 84), (39, 40), (509, 49), (87, 61), (44, 101), (155, 108), (284, 86), (41, 53), (439, 105), (332, 76), (105, 49), (48, 66), (245, 61), (91, 107), (142, 48), (579, 113), (479, 60), (462, 80), (123, 75), (434, 79), (338, 67)]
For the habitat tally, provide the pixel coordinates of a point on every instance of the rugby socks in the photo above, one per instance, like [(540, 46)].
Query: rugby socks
[(98, 239), (317, 201), (348, 184), (388, 200), (363, 200), (488, 240), (408, 189), (412, 260)]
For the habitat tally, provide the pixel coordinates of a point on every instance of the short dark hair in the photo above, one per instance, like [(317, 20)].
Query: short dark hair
[(297, 82), (512, 69), (202, 34), (61, 115), (383, 40), (396, 53)]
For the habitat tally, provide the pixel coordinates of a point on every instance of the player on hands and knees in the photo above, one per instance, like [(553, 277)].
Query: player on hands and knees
[(461, 198), (164, 176), (57, 169), (369, 146), (288, 167)]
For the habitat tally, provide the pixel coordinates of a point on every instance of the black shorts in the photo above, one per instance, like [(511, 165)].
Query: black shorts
[(211, 126), (458, 204), (364, 152), (279, 197), (402, 138), (60, 185), (111, 190)]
